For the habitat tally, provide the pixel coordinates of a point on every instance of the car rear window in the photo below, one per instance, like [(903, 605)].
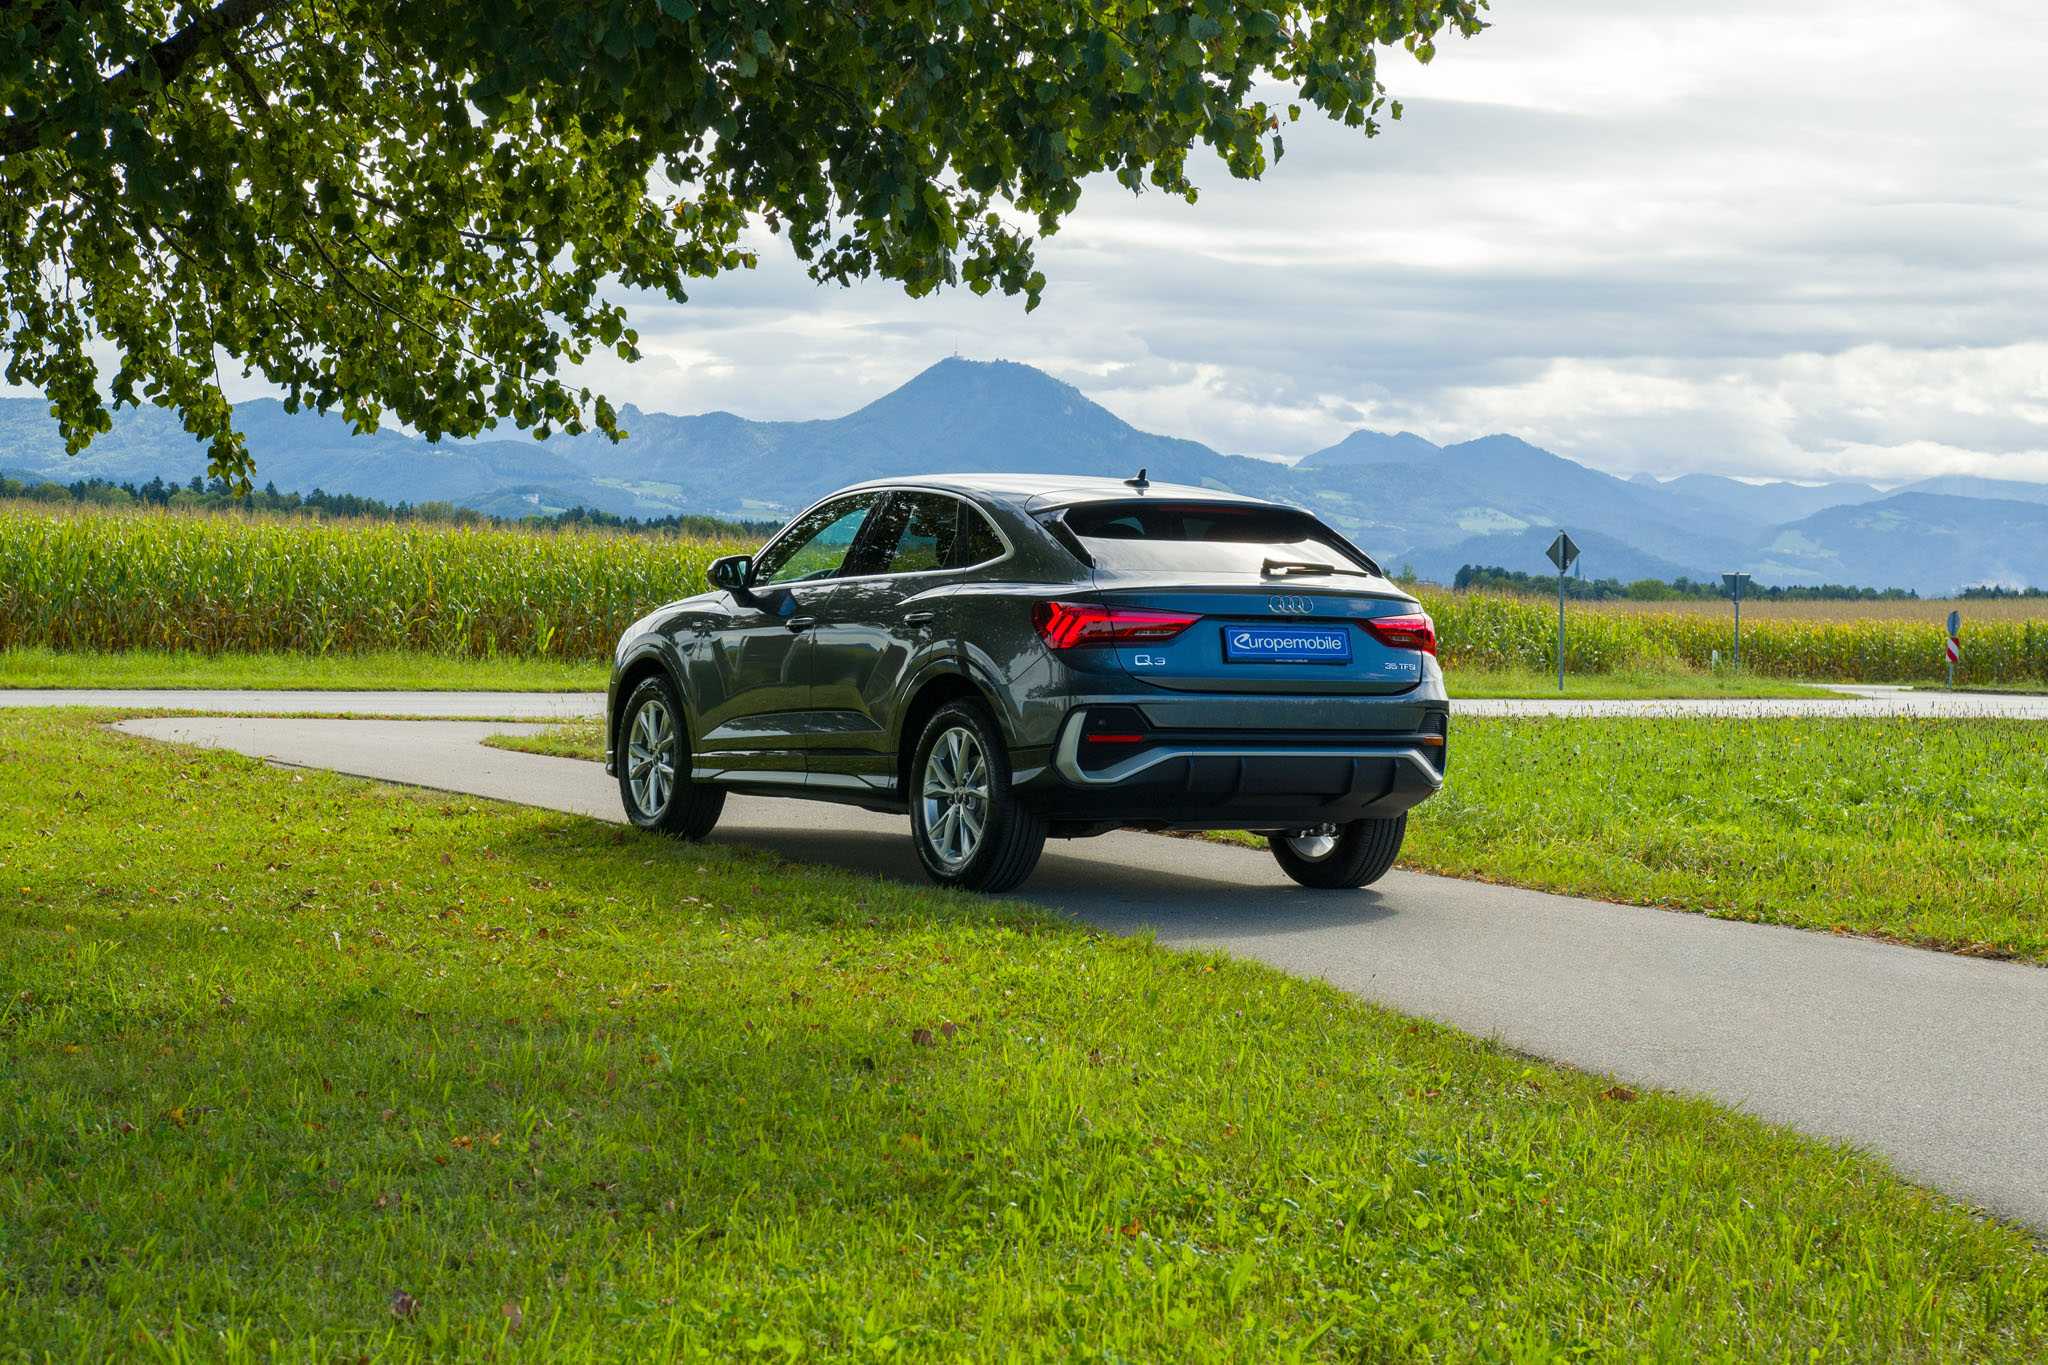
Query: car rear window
[(1169, 537)]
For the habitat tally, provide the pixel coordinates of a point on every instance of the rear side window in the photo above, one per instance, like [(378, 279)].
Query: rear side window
[(979, 541), (925, 526), (923, 532), (1167, 537)]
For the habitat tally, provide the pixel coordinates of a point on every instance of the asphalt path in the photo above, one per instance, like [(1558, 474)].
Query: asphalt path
[(1938, 1063), (1852, 701), (247, 701)]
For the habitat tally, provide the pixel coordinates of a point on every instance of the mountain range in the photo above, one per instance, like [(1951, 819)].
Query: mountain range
[(1495, 500)]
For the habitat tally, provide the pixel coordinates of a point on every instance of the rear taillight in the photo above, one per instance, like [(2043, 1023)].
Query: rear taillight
[(1070, 625), (1416, 631)]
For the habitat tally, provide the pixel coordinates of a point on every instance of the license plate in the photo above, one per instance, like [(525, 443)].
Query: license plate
[(1287, 645)]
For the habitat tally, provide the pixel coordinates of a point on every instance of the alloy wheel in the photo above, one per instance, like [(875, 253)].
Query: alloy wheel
[(650, 757), (1315, 843), (955, 796)]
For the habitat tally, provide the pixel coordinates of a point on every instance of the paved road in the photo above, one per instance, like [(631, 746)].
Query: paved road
[(1939, 1063), (1853, 701), (516, 705)]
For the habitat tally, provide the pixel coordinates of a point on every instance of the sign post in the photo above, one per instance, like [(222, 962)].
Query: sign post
[(1954, 648), (1733, 582), (1563, 551)]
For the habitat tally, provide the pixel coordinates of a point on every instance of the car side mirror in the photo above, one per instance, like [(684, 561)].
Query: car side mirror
[(732, 572)]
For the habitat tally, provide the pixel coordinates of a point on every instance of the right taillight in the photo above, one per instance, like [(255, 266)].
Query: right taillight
[(1414, 631), (1070, 625)]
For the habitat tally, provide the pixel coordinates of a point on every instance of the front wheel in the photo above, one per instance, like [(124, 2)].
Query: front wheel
[(969, 829), (1340, 857), (654, 767)]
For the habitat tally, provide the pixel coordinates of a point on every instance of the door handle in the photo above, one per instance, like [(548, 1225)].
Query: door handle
[(920, 618), (801, 622)]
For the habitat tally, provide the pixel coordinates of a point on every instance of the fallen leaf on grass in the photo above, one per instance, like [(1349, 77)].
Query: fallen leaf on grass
[(514, 1318), (403, 1305), (922, 1037), (1620, 1094)]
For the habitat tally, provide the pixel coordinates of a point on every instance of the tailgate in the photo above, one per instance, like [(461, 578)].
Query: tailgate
[(1264, 640)]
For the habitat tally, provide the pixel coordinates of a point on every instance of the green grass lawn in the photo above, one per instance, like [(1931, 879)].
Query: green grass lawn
[(399, 671), (295, 1066), (1932, 832), (1635, 685), (570, 739), (383, 671)]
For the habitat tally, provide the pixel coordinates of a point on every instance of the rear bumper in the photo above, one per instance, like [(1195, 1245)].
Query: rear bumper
[(1196, 780)]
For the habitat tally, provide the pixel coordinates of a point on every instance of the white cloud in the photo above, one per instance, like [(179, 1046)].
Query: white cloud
[(1658, 237)]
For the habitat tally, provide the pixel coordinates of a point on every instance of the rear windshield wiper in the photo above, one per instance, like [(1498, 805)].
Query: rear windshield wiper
[(1283, 567)]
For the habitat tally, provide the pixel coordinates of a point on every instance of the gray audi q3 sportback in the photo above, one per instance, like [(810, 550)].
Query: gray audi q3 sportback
[(1010, 658)]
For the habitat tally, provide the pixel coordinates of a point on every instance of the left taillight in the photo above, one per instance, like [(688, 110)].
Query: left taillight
[(1413, 631), (1072, 625)]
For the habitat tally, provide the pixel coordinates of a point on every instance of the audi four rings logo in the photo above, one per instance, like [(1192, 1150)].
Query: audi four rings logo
[(1290, 606)]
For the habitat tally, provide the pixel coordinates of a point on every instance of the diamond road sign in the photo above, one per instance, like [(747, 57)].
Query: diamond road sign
[(1563, 551)]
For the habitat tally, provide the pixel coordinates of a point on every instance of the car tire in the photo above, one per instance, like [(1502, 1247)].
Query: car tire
[(968, 827), (654, 766), (1340, 857)]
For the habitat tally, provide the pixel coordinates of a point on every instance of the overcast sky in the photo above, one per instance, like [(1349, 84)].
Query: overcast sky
[(1752, 238)]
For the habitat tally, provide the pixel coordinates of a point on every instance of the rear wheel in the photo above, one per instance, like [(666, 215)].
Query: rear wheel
[(654, 766), (969, 828), (1331, 857)]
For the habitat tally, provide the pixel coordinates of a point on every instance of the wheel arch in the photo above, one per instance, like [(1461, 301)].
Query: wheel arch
[(935, 691), (648, 663)]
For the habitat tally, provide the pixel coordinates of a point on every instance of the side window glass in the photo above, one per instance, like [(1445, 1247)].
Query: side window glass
[(979, 541), (818, 544), (930, 523)]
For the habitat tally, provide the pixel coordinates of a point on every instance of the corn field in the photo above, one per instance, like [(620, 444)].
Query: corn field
[(1494, 631), (210, 584)]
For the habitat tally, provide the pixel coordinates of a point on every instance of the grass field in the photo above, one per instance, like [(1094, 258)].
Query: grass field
[(374, 671), (1932, 832), (303, 1068), (1927, 832), (412, 670)]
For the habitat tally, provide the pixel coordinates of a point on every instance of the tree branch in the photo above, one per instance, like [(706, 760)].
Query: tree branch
[(164, 62)]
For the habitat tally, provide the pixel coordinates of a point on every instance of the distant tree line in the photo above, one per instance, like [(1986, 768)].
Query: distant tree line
[(203, 495), (1492, 578), (1992, 594)]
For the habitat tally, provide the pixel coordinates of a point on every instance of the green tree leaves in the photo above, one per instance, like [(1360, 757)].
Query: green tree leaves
[(413, 208)]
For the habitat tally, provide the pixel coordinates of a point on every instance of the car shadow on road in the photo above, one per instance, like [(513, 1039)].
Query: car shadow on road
[(1211, 903)]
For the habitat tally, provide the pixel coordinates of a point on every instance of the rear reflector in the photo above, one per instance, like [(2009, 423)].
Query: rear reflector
[(1070, 625), (1128, 739), (1414, 631)]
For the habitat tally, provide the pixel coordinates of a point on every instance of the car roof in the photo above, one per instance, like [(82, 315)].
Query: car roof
[(1037, 491)]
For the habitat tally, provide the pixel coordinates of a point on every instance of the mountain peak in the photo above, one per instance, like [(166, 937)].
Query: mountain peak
[(1373, 447)]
